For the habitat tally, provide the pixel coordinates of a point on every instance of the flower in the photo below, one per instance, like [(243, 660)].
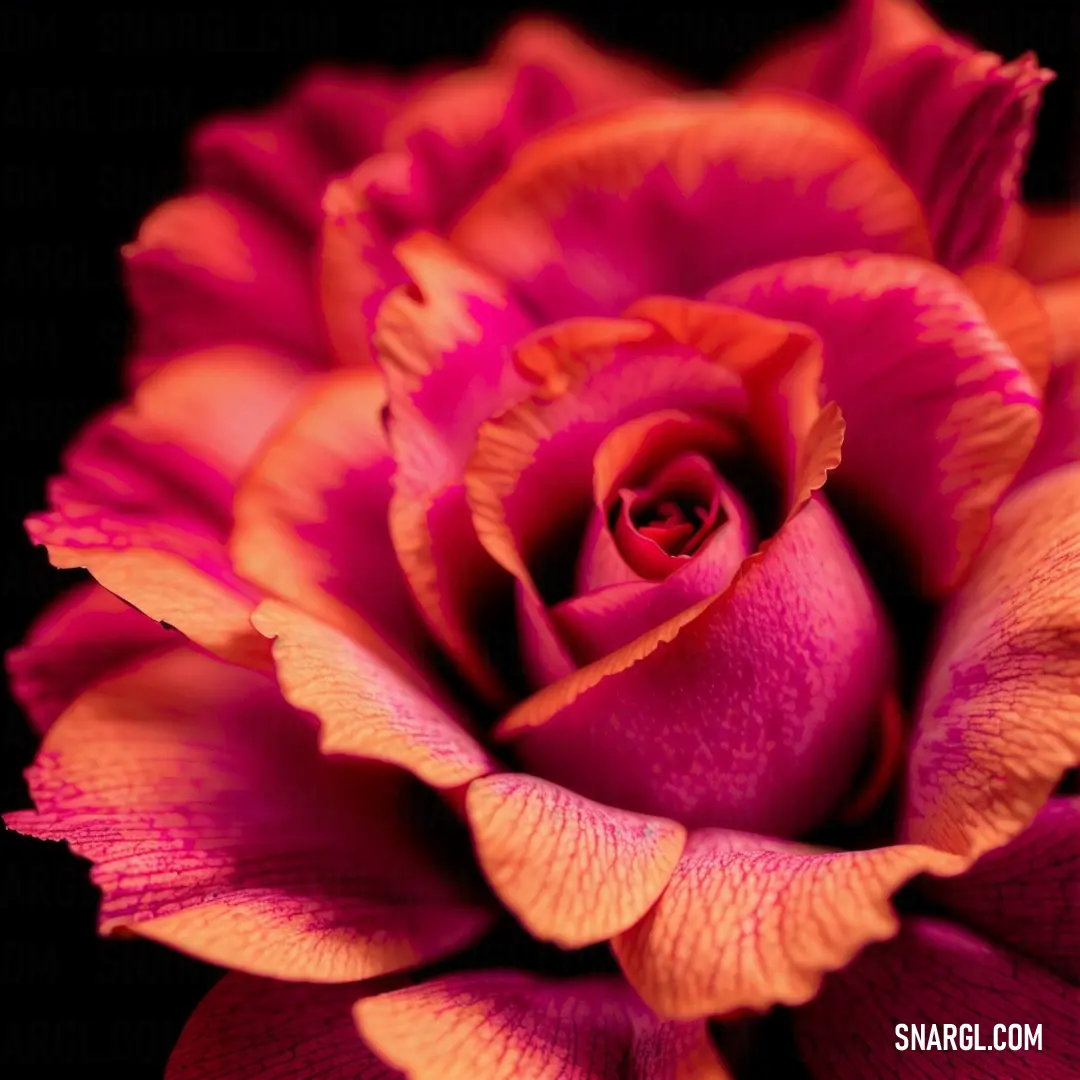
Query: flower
[(508, 464)]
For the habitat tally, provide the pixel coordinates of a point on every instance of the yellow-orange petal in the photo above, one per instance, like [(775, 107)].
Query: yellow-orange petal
[(510, 1025), (748, 923), (573, 871), (367, 701), (1017, 314), (999, 721)]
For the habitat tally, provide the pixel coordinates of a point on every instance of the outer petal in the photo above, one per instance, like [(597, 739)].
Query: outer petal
[(747, 922), (1026, 895), (1059, 439), (595, 78), (447, 145), (1000, 717), (939, 414), (311, 512), (207, 269), (577, 221), (937, 974), (505, 1025), (216, 827), (573, 871), (368, 703), (145, 500), (279, 160), (86, 634), (768, 739), (1050, 244), (253, 1029), (1060, 301)]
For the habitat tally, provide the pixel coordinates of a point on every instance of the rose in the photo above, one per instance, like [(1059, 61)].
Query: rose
[(239, 486)]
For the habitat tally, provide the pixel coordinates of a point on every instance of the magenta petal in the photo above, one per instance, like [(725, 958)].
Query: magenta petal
[(255, 1029), (216, 826), (280, 159), (208, 269), (84, 636), (939, 414), (750, 710), (935, 973), (1027, 894)]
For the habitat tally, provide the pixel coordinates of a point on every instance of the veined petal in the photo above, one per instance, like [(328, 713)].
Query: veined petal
[(216, 826), (368, 702), (81, 638), (1000, 717), (573, 871), (1026, 895), (506, 1025), (931, 971), (747, 922), (253, 1029)]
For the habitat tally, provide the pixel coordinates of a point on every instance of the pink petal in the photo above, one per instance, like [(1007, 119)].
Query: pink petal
[(1026, 895), (207, 269), (767, 739), (939, 414), (253, 1029), (507, 1025), (215, 826), (577, 222), (144, 503), (573, 871), (81, 638), (935, 973), (311, 512), (748, 922), (443, 344), (1059, 439), (368, 701), (280, 159), (997, 725)]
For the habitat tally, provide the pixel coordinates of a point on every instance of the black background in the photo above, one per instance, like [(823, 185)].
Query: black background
[(95, 107)]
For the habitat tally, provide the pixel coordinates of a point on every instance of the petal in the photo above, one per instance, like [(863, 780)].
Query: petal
[(581, 221), (1026, 895), (1050, 244), (280, 159), (176, 574), (445, 344), (311, 513), (367, 702), (594, 77), (998, 723), (505, 1025), (86, 634), (573, 871), (939, 414), (748, 922), (145, 499), (181, 443), (1059, 439), (216, 827), (207, 269), (253, 1029), (442, 150), (766, 739), (936, 974), (1017, 314), (1060, 301), (962, 139)]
